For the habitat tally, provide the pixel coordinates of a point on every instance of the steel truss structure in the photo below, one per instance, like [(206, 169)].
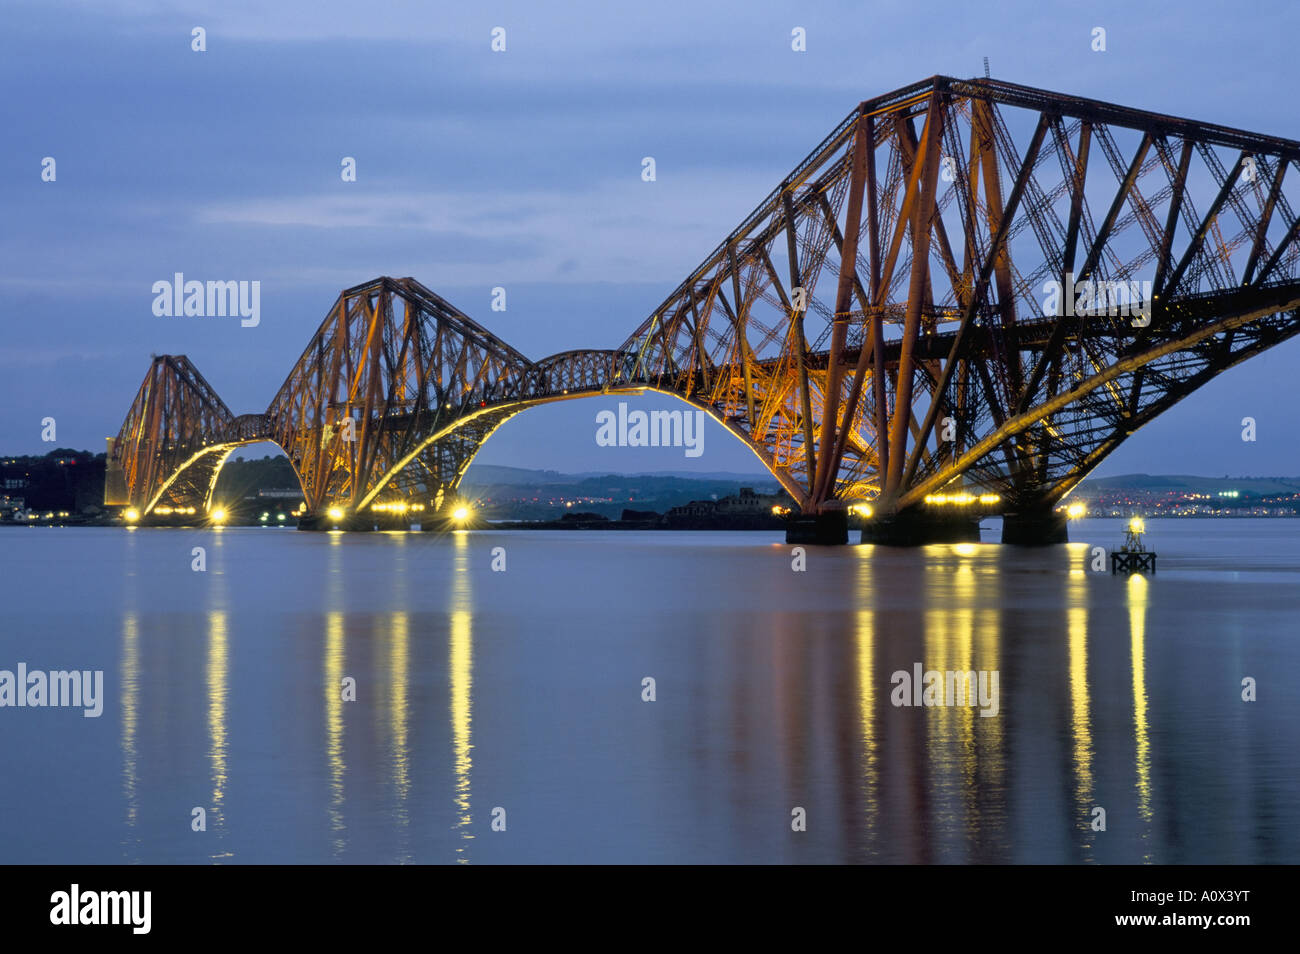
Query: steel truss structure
[(968, 284)]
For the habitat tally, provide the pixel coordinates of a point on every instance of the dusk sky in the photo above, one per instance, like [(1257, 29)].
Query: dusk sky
[(519, 169)]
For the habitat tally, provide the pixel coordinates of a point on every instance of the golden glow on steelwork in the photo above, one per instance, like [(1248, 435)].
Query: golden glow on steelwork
[(861, 510), (1019, 423), (215, 449), (394, 316), (782, 475)]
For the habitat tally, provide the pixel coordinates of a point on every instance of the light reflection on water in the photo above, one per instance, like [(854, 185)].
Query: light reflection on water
[(1137, 615), (1080, 709), (523, 690), (461, 667)]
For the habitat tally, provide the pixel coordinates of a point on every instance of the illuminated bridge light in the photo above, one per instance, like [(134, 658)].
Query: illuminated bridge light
[(960, 500), (335, 513), (461, 514), (1076, 510), (132, 515)]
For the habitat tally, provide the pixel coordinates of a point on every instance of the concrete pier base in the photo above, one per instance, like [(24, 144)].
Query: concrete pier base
[(919, 528), (1034, 528), (393, 521), (820, 529), (320, 521)]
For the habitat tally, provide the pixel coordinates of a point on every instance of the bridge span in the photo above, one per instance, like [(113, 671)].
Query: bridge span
[(965, 297)]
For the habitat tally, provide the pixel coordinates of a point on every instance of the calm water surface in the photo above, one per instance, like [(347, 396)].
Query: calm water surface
[(522, 690)]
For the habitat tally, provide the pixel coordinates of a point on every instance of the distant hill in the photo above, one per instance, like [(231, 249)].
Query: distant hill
[(518, 494), (490, 474)]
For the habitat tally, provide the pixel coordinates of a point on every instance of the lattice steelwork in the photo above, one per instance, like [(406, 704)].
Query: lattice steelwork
[(173, 441), (402, 364), (923, 232), (881, 327)]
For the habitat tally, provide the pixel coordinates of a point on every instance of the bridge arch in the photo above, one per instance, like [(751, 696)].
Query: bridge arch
[(875, 329), (494, 418)]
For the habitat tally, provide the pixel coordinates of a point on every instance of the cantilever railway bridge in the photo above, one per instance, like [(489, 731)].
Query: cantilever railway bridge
[(875, 330)]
